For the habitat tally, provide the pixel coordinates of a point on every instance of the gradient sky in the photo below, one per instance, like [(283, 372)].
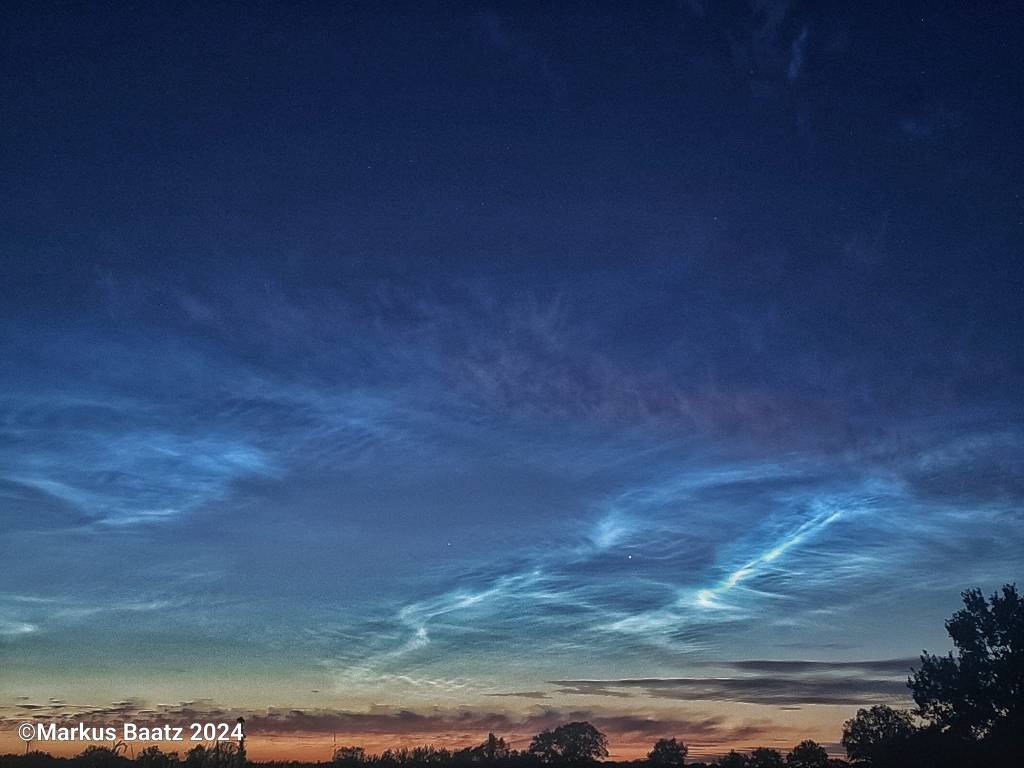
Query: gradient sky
[(412, 371)]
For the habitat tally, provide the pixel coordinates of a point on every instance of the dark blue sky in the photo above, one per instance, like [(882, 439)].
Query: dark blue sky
[(433, 357)]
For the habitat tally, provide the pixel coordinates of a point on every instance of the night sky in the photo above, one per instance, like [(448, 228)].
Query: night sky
[(414, 370)]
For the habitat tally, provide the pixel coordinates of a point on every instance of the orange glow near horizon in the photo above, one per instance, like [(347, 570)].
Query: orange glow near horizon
[(319, 747)]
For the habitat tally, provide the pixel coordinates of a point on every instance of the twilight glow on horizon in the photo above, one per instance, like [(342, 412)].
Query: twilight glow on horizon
[(398, 374)]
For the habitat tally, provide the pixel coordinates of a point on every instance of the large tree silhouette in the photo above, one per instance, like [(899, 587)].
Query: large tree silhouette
[(979, 692)]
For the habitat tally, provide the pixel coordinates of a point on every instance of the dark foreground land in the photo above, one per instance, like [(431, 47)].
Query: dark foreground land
[(924, 749)]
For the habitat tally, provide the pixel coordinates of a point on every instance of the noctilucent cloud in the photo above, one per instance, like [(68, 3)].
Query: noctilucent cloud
[(415, 371)]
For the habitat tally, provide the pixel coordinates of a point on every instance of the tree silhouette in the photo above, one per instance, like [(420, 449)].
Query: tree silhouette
[(494, 748), (763, 757), (980, 692), (878, 736), (733, 759), (807, 754), (667, 753), (570, 743)]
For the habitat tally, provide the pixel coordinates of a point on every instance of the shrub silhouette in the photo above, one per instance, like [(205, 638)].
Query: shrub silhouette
[(349, 757), (154, 757), (102, 757)]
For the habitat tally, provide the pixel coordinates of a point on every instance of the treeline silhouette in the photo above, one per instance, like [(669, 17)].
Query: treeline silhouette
[(970, 714)]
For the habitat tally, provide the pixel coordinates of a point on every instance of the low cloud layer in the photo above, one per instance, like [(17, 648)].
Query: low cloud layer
[(777, 683), (404, 725), (751, 690)]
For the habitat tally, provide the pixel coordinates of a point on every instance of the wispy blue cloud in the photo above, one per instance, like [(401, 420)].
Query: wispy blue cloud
[(526, 505)]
